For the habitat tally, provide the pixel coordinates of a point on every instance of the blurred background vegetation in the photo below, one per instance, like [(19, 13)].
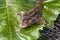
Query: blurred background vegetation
[(9, 20)]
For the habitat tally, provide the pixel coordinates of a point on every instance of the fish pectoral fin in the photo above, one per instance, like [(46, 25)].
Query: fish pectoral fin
[(40, 21)]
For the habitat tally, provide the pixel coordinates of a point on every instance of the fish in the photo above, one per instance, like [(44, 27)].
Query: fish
[(32, 16)]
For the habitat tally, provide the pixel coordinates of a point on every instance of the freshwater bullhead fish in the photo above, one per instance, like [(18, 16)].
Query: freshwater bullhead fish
[(31, 16)]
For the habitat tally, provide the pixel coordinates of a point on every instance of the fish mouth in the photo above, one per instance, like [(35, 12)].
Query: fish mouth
[(23, 25)]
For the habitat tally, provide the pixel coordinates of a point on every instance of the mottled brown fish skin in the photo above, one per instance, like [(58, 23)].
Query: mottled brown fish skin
[(32, 16)]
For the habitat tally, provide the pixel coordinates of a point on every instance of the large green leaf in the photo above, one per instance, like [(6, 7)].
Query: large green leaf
[(9, 20)]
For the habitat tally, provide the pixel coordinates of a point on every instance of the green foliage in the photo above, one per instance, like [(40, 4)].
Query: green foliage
[(9, 20)]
